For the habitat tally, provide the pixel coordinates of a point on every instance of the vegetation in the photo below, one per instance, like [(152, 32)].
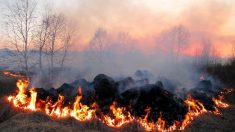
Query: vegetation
[(224, 72)]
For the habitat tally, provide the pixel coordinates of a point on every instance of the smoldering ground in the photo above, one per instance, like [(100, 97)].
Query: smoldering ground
[(174, 72)]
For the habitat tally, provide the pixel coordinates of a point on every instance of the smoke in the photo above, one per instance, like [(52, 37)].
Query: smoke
[(144, 22), (118, 38), (173, 71), (111, 54)]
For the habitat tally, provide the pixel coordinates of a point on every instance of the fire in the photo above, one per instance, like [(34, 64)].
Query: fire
[(117, 117), (12, 74), (81, 112), (219, 102), (77, 109), (160, 125), (20, 100), (121, 117), (32, 104), (195, 108), (56, 110)]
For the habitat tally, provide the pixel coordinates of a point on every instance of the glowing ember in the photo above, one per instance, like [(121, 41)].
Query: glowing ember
[(117, 117), (12, 74), (219, 102)]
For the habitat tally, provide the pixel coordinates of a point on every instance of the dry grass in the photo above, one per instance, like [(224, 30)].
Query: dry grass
[(37, 122), (216, 123), (12, 120), (7, 84)]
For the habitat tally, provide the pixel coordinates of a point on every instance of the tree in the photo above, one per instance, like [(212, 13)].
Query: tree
[(174, 40), (56, 28), (206, 51), (20, 21), (67, 42), (99, 43), (181, 38), (42, 35)]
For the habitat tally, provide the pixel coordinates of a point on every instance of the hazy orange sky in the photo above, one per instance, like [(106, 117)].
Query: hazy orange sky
[(144, 20)]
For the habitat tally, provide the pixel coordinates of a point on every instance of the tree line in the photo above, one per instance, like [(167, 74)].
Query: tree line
[(49, 33)]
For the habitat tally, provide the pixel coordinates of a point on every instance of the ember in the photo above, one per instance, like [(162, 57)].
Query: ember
[(151, 105)]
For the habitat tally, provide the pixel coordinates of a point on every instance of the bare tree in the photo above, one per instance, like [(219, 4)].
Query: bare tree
[(174, 40), (42, 35), (206, 51), (181, 38), (67, 42), (20, 21), (99, 44), (57, 23)]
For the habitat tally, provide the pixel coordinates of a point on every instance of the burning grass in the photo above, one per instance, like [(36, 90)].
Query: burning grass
[(116, 115)]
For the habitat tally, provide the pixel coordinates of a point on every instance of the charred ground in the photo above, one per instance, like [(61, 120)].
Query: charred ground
[(37, 121), (12, 119)]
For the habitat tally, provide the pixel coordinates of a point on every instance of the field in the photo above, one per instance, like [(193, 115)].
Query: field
[(14, 120)]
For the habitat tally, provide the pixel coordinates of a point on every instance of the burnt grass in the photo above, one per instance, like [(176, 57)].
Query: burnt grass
[(15, 120)]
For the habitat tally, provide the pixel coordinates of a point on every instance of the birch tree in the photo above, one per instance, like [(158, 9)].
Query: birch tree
[(20, 21), (66, 42), (42, 36), (57, 23)]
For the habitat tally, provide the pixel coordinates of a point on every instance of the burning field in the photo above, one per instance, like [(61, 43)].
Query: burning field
[(116, 105), (132, 65)]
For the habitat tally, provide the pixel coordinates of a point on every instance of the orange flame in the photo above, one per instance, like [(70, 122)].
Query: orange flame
[(118, 115), (195, 108), (32, 104), (12, 74), (81, 112), (219, 102), (121, 117), (160, 125), (20, 100)]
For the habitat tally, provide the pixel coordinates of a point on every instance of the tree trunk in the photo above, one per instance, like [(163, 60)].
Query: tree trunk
[(26, 37), (40, 58)]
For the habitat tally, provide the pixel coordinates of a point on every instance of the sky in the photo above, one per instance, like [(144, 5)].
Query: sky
[(145, 20)]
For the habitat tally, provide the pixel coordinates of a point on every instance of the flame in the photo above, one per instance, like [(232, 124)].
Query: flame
[(12, 74), (160, 125), (77, 109), (195, 108), (82, 112), (219, 102), (121, 117), (56, 109), (21, 97), (32, 104), (117, 117)]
